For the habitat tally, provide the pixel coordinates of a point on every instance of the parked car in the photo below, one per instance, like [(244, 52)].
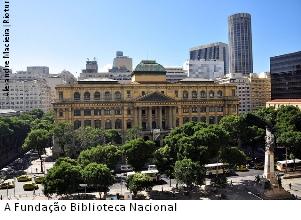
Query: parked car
[(259, 166), (24, 178), (152, 167), (7, 184), (30, 186), (126, 168), (39, 179), (242, 168)]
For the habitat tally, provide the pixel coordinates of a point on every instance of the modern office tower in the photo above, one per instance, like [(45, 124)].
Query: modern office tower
[(206, 69), (122, 63), (148, 102), (175, 74), (286, 76), (240, 43), (260, 89), (214, 51), (243, 90)]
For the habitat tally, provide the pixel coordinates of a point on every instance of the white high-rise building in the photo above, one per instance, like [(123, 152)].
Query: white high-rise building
[(206, 69), (122, 63), (175, 74), (32, 89), (253, 90), (243, 91), (26, 95)]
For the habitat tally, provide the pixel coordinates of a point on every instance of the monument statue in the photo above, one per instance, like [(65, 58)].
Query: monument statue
[(269, 171)]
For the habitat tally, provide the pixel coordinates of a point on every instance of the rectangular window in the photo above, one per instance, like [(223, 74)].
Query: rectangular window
[(194, 109), (128, 92), (76, 112), (177, 93), (97, 124), (211, 109), (129, 112), (107, 111), (203, 109), (61, 96), (97, 111), (87, 112), (117, 111), (185, 110)]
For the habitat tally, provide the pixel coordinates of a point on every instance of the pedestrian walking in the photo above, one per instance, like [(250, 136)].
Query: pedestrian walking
[(290, 186), (1, 197)]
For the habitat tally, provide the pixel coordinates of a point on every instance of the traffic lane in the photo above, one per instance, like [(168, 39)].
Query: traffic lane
[(18, 191)]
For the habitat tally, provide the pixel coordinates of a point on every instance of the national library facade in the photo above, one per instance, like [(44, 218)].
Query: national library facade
[(147, 102)]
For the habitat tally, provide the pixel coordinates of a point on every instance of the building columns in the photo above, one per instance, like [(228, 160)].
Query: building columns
[(139, 118), (160, 117), (150, 118), (169, 117)]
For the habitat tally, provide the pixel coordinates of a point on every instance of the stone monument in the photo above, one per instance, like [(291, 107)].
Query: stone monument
[(269, 170)]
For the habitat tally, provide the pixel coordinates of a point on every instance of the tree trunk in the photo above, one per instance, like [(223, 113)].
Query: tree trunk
[(41, 160)]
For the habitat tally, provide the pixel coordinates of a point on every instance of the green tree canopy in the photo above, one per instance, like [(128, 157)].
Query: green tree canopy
[(63, 178), (37, 140), (234, 156), (98, 175), (138, 182), (138, 152), (105, 154), (188, 172)]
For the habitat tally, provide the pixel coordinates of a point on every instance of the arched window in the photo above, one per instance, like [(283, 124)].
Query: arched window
[(77, 124), (108, 96), (129, 124), (154, 125), (203, 94), (61, 113), (87, 96), (76, 96), (185, 94), (87, 123), (118, 124), (108, 124), (203, 119), (211, 94), (220, 93), (194, 119), (194, 94), (97, 96), (117, 96)]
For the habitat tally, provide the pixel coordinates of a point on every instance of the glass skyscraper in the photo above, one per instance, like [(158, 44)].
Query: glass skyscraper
[(286, 76), (240, 43)]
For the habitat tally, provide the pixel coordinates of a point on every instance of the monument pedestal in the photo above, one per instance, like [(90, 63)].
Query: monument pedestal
[(269, 170)]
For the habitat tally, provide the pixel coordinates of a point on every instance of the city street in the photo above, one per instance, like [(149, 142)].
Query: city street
[(34, 169)]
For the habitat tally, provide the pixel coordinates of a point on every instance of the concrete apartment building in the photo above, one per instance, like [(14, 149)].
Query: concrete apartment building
[(254, 91)]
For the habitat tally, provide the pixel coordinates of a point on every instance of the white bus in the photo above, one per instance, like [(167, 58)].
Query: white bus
[(216, 168), (281, 165), (153, 174)]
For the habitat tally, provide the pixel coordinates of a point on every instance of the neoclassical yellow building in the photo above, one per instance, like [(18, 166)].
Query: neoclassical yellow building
[(147, 102)]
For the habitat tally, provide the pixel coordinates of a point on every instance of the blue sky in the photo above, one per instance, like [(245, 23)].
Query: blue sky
[(61, 34)]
